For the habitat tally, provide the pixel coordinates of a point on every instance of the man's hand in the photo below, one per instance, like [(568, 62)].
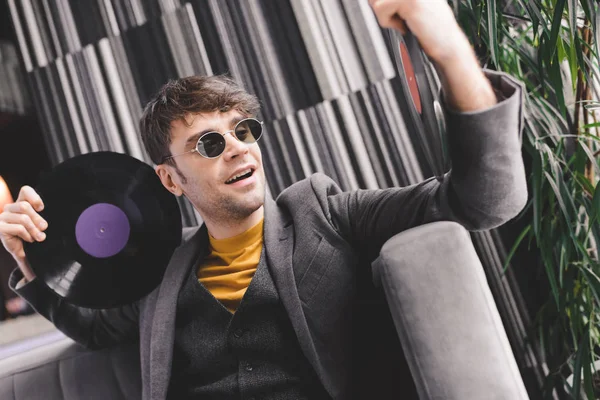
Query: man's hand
[(433, 24), (431, 21), (20, 221)]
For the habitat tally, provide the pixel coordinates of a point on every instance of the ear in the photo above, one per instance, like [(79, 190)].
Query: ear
[(169, 179)]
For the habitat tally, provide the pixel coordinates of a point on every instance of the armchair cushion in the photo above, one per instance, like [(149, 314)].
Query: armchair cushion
[(66, 370), (449, 327)]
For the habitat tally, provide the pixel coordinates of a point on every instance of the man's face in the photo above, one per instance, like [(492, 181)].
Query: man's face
[(203, 180)]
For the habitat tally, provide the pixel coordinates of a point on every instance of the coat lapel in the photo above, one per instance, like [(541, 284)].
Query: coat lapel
[(279, 242), (163, 324)]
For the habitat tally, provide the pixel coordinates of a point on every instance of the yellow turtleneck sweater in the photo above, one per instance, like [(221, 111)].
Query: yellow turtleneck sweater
[(231, 264)]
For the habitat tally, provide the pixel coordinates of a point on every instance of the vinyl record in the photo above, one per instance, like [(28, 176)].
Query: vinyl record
[(112, 228), (418, 81)]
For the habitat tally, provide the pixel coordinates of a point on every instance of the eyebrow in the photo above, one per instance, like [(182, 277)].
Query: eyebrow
[(194, 138)]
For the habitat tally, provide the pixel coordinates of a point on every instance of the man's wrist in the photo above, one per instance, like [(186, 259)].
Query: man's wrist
[(465, 86), (456, 46)]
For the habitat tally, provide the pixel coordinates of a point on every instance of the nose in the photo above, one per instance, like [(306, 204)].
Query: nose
[(233, 147)]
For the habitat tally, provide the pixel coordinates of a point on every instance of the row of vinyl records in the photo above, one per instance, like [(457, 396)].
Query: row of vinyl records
[(359, 138), (118, 74), (331, 98), (14, 97), (297, 52)]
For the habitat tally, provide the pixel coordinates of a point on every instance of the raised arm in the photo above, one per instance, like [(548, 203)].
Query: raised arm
[(485, 188)]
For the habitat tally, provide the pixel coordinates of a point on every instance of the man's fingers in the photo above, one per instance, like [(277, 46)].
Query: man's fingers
[(10, 232), (29, 195), (386, 12), (13, 242), (18, 252), (20, 225), (20, 222), (398, 23), (25, 208)]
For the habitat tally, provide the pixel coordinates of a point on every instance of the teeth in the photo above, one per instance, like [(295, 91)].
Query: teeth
[(238, 175)]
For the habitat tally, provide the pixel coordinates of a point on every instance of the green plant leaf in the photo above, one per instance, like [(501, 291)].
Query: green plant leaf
[(575, 59), (556, 27), (596, 25), (560, 48), (580, 60), (455, 6), (589, 7), (563, 263), (583, 364), (536, 179), (561, 220), (585, 64), (578, 161), (542, 72), (595, 211), (572, 6), (590, 157), (548, 263), (534, 14), (565, 200), (584, 182), (595, 232), (515, 246), (556, 121), (581, 359), (479, 16), (557, 82), (589, 10), (492, 27), (587, 369), (594, 282), (593, 125), (523, 56)]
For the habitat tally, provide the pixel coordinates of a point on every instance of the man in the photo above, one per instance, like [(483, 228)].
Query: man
[(255, 303)]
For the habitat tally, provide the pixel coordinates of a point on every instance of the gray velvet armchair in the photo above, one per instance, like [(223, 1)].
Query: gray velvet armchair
[(449, 328)]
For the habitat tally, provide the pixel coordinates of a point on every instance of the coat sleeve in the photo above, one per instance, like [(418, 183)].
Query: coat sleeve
[(485, 188), (92, 328)]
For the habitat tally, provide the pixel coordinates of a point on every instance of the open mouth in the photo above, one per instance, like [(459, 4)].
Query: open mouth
[(241, 176)]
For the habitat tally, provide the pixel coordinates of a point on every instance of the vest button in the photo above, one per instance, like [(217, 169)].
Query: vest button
[(248, 367), (238, 333)]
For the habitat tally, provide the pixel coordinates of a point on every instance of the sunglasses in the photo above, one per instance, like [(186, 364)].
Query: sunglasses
[(212, 144)]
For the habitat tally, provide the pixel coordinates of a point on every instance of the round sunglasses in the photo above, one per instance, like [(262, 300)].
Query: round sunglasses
[(212, 144)]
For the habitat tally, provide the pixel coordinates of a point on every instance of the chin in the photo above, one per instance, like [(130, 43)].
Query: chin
[(256, 202), (243, 210)]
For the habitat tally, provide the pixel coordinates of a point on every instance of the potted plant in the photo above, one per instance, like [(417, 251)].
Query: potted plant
[(551, 46)]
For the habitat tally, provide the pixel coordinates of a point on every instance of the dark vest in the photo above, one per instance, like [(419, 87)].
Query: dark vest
[(252, 354)]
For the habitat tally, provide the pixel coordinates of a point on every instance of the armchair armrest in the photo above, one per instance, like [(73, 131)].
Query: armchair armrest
[(445, 316), (67, 371)]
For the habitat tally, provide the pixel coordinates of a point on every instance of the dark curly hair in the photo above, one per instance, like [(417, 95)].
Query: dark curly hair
[(191, 95)]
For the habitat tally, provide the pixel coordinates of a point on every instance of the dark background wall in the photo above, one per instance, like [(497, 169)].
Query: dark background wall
[(23, 153)]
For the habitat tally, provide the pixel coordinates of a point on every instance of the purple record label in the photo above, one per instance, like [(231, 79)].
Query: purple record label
[(102, 230)]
